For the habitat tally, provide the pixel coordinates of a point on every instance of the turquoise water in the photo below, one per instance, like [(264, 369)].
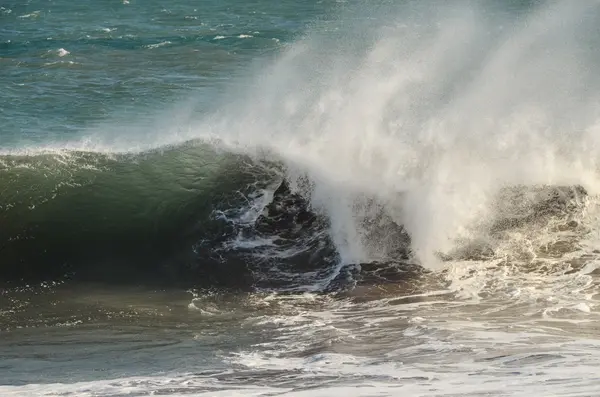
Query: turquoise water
[(68, 66)]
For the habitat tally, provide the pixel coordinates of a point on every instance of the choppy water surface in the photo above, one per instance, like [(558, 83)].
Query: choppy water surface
[(299, 198), (533, 333)]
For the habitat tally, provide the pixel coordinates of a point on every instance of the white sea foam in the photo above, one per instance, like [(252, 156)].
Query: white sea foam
[(32, 15), (157, 45), (314, 345)]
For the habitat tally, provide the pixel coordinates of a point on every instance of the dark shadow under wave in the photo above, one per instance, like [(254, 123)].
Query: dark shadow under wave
[(116, 218)]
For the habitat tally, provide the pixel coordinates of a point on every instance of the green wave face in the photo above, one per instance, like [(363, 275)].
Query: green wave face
[(88, 212)]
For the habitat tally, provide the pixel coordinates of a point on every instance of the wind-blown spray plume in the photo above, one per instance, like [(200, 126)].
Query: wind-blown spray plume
[(423, 119)]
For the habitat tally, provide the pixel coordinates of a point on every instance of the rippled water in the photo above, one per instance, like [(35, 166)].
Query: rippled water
[(67, 66)]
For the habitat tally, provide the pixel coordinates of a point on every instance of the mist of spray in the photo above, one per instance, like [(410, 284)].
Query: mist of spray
[(428, 112)]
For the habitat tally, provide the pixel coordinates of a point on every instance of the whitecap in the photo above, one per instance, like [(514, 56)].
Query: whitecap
[(34, 14), (161, 44)]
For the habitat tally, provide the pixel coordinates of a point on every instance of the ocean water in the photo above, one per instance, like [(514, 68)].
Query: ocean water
[(316, 198)]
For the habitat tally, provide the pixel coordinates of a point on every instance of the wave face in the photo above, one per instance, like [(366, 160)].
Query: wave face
[(414, 137), (114, 216), (189, 216)]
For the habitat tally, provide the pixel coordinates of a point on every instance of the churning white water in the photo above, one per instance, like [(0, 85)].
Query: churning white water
[(430, 111)]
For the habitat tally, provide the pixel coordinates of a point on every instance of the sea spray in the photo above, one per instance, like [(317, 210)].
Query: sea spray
[(428, 113)]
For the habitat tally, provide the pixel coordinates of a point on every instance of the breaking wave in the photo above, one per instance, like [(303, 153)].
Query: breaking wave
[(420, 137)]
